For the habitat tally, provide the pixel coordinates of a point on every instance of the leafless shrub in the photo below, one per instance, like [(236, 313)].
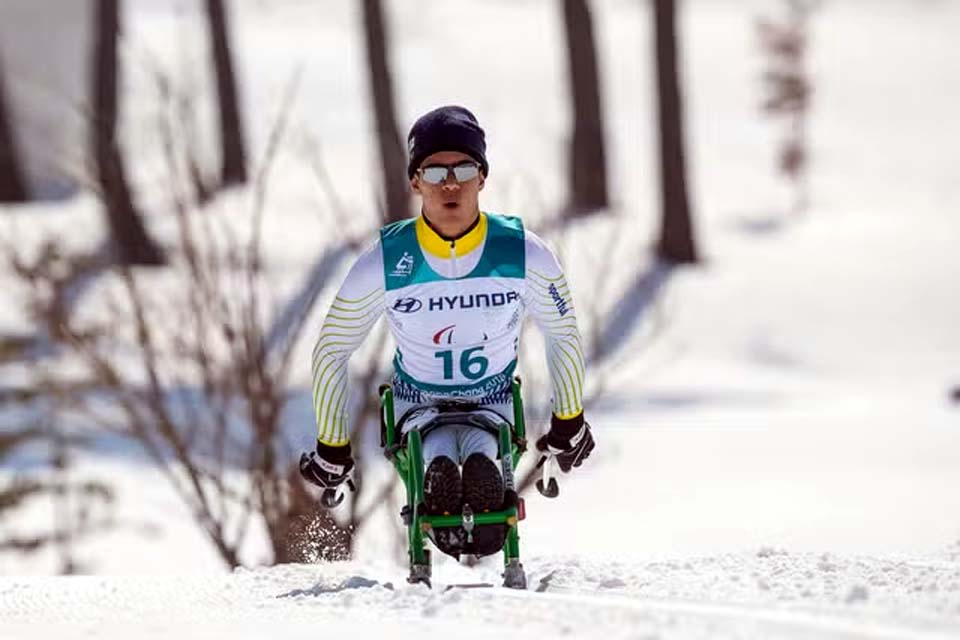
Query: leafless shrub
[(179, 361), (788, 90), (80, 507)]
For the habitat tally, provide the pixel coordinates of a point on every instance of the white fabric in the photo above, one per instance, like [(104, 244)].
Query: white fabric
[(474, 322), (458, 442), (361, 300)]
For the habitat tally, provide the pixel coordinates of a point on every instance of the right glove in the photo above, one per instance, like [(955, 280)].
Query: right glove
[(569, 440), (328, 466)]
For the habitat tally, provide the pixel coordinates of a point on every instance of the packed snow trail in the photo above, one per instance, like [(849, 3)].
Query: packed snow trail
[(767, 594)]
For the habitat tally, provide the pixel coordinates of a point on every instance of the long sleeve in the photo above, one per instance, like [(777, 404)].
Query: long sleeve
[(548, 300), (354, 311)]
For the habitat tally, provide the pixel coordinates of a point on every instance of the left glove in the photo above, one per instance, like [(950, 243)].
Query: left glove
[(569, 440), (328, 466)]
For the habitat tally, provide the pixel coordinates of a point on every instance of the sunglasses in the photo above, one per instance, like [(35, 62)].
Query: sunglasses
[(462, 172)]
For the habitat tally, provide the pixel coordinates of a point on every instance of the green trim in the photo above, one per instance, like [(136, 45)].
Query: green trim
[(544, 276), (339, 417), (343, 326), (319, 376), (561, 319), (558, 362), (575, 358), (327, 334), (336, 400), (354, 300), (358, 309), (504, 253), (489, 384), (362, 316), (325, 378)]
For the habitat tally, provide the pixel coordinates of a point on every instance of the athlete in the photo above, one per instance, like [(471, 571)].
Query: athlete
[(455, 284)]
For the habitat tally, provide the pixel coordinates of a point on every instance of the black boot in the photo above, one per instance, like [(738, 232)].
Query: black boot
[(443, 495), (483, 491), (442, 490)]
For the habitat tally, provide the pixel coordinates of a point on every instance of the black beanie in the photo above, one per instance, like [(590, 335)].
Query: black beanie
[(449, 128)]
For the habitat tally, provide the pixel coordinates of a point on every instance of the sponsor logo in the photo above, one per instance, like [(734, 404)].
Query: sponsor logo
[(558, 300), (438, 336), (404, 266), (514, 319), (407, 305), (329, 467), (472, 301)]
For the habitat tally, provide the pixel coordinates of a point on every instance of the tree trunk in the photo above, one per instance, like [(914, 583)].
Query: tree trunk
[(133, 245), (676, 244), (393, 161), (13, 186), (588, 165), (232, 149)]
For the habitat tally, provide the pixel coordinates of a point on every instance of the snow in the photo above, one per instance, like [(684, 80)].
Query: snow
[(769, 593), (777, 454)]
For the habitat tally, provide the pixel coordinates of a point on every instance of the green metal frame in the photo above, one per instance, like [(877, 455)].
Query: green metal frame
[(407, 457)]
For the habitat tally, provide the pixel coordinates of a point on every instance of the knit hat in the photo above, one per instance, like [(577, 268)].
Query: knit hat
[(449, 128)]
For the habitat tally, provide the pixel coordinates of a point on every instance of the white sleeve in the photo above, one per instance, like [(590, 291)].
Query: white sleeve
[(354, 311), (548, 300)]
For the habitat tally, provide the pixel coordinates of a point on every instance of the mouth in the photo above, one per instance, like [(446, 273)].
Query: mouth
[(451, 205)]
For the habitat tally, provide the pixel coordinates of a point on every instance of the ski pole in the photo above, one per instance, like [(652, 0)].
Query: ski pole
[(547, 484), (333, 496)]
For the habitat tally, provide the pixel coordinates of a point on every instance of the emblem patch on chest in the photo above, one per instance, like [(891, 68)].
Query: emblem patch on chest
[(404, 266)]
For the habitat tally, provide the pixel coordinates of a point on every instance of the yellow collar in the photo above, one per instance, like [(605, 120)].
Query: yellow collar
[(431, 241)]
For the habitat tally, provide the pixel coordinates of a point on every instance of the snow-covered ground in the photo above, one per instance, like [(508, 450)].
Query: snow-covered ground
[(777, 455), (769, 594)]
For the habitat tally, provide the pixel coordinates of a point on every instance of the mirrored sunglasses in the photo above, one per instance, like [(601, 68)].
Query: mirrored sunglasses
[(462, 172)]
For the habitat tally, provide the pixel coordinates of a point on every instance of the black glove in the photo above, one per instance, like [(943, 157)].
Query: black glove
[(328, 466), (568, 439)]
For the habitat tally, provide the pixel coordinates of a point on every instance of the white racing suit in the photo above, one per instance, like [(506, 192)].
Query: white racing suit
[(455, 309), (455, 441)]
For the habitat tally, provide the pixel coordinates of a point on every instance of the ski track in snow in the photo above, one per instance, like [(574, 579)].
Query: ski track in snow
[(767, 594)]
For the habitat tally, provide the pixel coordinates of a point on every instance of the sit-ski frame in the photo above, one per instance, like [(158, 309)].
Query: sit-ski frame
[(406, 453)]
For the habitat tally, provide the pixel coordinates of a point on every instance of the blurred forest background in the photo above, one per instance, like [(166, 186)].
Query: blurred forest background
[(184, 181)]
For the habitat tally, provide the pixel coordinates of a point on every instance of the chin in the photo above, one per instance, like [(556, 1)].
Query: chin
[(449, 213)]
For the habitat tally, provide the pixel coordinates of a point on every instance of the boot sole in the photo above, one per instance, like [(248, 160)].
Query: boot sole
[(442, 489), (482, 484)]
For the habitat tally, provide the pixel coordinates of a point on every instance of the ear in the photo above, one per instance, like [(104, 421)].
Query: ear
[(415, 184), (482, 182)]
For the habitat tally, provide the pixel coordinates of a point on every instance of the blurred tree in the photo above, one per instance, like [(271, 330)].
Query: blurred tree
[(12, 185), (393, 161), (588, 165), (676, 243), (233, 155), (788, 91), (133, 244)]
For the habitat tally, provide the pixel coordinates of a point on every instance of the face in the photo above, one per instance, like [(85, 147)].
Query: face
[(450, 206)]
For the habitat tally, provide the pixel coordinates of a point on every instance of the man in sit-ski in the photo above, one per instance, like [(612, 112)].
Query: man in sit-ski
[(455, 284)]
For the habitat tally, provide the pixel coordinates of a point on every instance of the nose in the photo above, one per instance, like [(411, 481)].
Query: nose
[(450, 182)]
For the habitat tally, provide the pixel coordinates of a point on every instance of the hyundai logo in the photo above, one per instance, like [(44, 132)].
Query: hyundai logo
[(407, 305)]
